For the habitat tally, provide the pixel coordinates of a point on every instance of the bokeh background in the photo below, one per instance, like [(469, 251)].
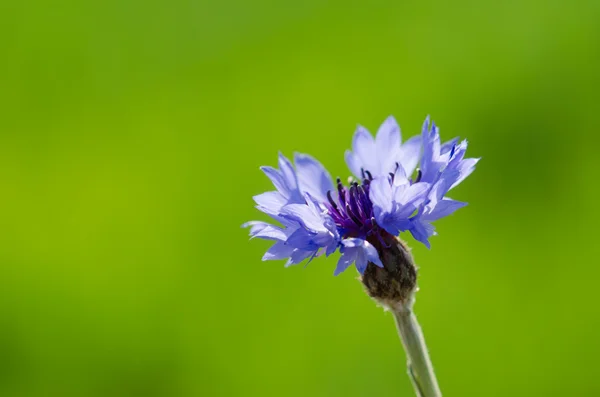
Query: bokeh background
[(131, 133)]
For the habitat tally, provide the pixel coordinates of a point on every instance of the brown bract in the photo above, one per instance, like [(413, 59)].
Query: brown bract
[(396, 282)]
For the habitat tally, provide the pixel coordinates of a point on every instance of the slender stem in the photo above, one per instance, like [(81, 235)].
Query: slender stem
[(420, 369)]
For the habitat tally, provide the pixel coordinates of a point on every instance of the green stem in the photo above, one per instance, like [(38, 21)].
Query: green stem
[(420, 369)]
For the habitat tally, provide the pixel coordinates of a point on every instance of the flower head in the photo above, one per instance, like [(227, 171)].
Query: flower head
[(443, 166), (380, 155), (363, 218)]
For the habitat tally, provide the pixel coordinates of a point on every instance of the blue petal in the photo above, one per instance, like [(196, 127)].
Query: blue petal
[(298, 256), (255, 226), (331, 248), (305, 216), (431, 151), (361, 261), (313, 178), (447, 146), (387, 144), (412, 194), (352, 242), (380, 193), (363, 146), (465, 168), (301, 239), (278, 180), (353, 163), (270, 202), (360, 251), (457, 154), (372, 254), (421, 231), (443, 208), (400, 176), (279, 250), (409, 154), (345, 261), (288, 173), (265, 231)]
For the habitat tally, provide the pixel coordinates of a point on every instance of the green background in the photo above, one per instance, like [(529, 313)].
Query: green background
[(131, 133)]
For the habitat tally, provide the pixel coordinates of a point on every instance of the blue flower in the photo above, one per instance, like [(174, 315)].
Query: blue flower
[(443, 167), (443, 161), (291, 184), (395, 200), (379, 156), (363, 218), (359, 251)]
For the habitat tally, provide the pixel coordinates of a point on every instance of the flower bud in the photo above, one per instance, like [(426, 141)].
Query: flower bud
[(395, 283)]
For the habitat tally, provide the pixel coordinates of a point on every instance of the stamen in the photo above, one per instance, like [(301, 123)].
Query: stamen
[(341, 192), (332, 202), (370, 177), (352, 216), (419, 175), (364, 198), (352, 200)]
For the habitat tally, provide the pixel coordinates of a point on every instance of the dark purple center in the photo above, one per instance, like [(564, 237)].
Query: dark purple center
[(353, 211)]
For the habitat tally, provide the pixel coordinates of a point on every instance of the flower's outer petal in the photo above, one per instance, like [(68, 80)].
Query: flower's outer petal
[(323, 239), (305, 216), (278, 180), (371, 254), (298, 256), (352, 242), (361, 260), (279, 250), (407, 202), (443, 208), (448, 178), (380, 193), (409, 154), (360, 251), (301, 239), (345, 260), (421, 231), (447, 146), (255, 226), (288, 173), (331, 248), (363, 146), (386, 213), (312, 204), (465, 168), (457, 153), (430, 164), (394, 223), (411, 194), (270, 202), (435, 139), (353, 163), (267, 232), (313, 178), (440, 188), (400, 177), (387, 144)]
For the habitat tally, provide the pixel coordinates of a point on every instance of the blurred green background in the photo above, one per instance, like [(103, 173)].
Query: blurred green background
[(131, 134)]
